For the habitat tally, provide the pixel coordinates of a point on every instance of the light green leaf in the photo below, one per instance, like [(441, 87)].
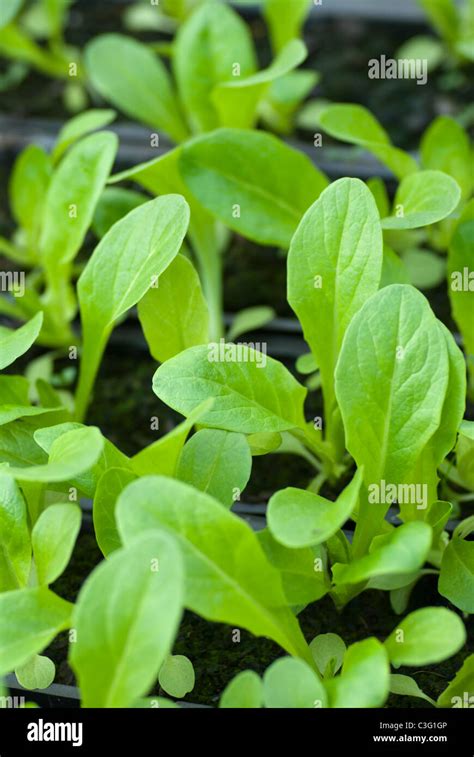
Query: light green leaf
[(443, 15), (247, 591), (113, 205), (426, 636), (127, 615), (207, 49), (71, 454), (28, 187), (456, 580), (15, 545), (245, 691), (72, 195), (37, 673), (424, 269), (264, 195), (13, 344), (8, 11), (125, 72), (109, 486), (174, 314), (445, 147), (249, 319), (355, 124), (285, 20), (461, 686), (53, 538), (461, 284), (246, 398), (264, 442), (423, 198), (78, 127), (405, 686), (365, 677), (176, 676), (465, 454), (328, 650), (133, 254), (334, 265), (404, 550), (29, 621), (216, 462), (299, 518), (290, 683)]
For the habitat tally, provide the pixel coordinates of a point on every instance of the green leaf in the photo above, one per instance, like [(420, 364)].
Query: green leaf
[(425, 637), (15, 545), (334, 266), (264, 195), (461, 283), (328, 650), (355, 124), (174, 314), (72, 195), (37, 673), (237, 100), (456, 580), (249, 319), (13, 344), (465, 454), (126, 617), (216, 462), (443, 15), (125, 72), (71, 454), (109, 486), (285, 20), (53, 538), (263, 443), (391, 380), (290, 683), (404, 550), (445, 147), (299, 518), (29, 621), (461, 685), (125, 263), (423, 198), (8, 11), (78, 127), (424, 269), (246, 591), (405, 686), (245, 691), (207, 49), (113, 205), (176, 676), (302, 571), (365, 677), (28, 187), (245, 392)]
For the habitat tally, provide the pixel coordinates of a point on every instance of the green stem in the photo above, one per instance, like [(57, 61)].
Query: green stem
[(93, 348)]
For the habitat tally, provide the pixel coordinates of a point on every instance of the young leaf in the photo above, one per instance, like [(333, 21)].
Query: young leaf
[(206, 51), (404, 550), (445, 147), (249, 319), (426, 636), (299, 518), (247, 591), (334, 266), (113, 205), (37, 673), (245, 396), (216, 462), (285, 20), (245, 691), (28, 186), (262, 197), (71, 454), (13, 344), (29, 621), (72, 195), (126, 617), (456, 579), (290, 683), (176, 676), (174, 314), (422, 199), (463, 683), (355, 124), (365, 677), (78, 127), (134, 79), (109, 486), (133, 254), (461, 285), (53, 538), (407, 687), (15, 545), (328, 650)]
